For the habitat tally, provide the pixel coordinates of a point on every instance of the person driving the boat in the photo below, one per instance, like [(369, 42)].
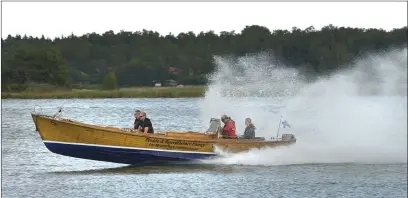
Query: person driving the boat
[(249, 132), (138, 122), (146, 126), (229, 127)]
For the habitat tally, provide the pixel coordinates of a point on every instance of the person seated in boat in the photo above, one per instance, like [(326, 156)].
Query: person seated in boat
[(249, 132), (229, 127), (146, 126), (138, 122)]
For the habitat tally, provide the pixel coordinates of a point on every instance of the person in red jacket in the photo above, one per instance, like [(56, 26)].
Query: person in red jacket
[(229, 127)]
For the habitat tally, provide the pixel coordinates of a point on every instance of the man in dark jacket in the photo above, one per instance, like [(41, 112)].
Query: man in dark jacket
[(138, 122), (249, 132), (147, 126)]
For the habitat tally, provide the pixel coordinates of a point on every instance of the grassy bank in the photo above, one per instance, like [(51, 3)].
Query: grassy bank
[(138, 92)]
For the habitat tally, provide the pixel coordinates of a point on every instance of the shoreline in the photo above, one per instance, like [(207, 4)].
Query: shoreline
[(134, 92)]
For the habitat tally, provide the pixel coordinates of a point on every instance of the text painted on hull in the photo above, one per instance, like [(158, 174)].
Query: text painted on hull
[(174, 144)]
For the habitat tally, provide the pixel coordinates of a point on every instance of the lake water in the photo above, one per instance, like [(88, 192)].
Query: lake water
[(331, 170)]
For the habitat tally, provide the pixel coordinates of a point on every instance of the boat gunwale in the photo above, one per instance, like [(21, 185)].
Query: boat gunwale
[(155, 135)]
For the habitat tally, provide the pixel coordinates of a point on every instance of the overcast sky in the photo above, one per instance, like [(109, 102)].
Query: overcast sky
[(54, 19)]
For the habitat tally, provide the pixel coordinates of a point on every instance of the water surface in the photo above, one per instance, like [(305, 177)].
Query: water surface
[(30, 170)]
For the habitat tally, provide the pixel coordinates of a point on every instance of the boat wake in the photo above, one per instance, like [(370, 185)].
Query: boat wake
[(354, 116)]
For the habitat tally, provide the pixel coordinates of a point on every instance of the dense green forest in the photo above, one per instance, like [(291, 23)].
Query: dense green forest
[(142, 57)]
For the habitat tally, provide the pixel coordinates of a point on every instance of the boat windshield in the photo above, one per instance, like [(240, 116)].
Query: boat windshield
[(215, 125)]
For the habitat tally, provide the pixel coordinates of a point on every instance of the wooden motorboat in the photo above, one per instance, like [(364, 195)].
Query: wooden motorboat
[(122, 145)]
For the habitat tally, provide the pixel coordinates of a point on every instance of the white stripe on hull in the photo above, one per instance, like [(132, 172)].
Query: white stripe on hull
[(134, 148)]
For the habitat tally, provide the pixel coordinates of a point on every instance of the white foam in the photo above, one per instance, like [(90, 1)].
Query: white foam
[(358, 115)]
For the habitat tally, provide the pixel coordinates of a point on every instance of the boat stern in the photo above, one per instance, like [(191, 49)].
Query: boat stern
[(288, 137)]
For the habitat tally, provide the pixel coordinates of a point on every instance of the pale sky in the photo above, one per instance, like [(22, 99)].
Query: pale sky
[(54, 19)]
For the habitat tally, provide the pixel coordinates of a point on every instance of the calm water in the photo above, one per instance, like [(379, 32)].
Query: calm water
[(30, 170)]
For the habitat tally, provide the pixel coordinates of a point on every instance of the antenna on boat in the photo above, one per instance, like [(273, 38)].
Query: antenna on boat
[(280, 121)]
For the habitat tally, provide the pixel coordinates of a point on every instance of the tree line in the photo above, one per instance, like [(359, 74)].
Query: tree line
[(143, 57)]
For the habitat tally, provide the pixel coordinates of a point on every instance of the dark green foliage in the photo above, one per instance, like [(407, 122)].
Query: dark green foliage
[(110, 82), (142, 58), (23, 63)]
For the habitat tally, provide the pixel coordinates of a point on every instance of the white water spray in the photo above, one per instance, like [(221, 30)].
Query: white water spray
[(355, 116)]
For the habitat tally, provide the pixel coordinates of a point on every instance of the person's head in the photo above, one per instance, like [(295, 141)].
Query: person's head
[(248, 121), (225, 119), (137, 114), (142, 115)]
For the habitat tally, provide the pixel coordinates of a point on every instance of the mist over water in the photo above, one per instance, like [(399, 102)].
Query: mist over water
[(357, 115)]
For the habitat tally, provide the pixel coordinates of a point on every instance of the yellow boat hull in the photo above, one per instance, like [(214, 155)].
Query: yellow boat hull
[(110, 144)]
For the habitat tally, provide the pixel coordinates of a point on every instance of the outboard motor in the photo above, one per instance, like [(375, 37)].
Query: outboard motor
[(287, 137)]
